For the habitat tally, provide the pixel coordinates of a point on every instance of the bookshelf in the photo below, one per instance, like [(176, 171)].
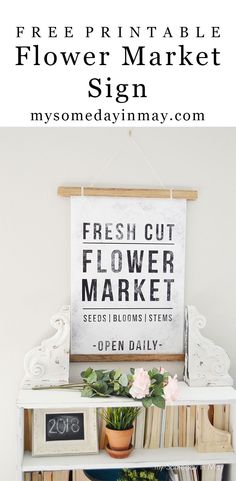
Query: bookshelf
[(139, 458), (36, 399)]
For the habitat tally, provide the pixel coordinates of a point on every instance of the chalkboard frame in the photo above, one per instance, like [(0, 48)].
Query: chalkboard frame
[(43, 447)]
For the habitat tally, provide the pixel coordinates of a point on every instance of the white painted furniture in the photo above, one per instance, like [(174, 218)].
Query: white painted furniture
[(206, 364), (30, 399), (48, 364)]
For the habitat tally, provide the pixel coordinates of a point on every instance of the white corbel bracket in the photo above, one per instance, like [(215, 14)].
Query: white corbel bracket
[(48, 364), (206, 364)]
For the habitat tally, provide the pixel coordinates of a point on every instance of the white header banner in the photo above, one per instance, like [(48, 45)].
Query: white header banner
[(120, 63)]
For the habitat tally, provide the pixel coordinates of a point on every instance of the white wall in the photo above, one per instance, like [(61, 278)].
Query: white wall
[(34, 229)]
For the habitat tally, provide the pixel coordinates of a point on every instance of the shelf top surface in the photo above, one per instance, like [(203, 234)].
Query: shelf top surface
[(138, 458), (53, 398)]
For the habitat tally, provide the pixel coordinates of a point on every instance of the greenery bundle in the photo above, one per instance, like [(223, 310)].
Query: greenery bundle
[(121, 418), (152, 387), (106, 383)]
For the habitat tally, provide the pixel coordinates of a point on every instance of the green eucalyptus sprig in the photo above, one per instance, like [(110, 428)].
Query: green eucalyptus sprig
[(115, 383), (105, 383), (145, 386)]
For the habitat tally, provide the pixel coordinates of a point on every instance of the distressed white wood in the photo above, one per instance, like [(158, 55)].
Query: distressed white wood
[(20, 443), (206, 364), (35, 399), (232, 428), (48, 364), (137, 459)]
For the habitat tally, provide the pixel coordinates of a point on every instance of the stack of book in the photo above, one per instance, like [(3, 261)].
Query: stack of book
[(76, 475), (211, 472), (173, 427), (47, 476)]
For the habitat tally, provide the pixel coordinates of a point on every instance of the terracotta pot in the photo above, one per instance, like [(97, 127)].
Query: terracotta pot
[(119, 440)]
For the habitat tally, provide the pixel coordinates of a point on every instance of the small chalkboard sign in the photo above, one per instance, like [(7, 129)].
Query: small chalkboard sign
[(65, 431), (60, 427)]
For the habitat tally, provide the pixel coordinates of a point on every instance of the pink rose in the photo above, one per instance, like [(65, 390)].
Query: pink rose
[(171, 390), (141, 384)]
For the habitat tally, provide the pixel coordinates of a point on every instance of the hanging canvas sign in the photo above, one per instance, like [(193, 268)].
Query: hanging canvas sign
[(127, 275)]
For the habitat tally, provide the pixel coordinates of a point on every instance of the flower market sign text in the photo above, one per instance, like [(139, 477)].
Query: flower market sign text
[(127, 275)]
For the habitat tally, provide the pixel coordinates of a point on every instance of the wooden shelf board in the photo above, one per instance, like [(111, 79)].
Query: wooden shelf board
[(139, 458), (33, 399)]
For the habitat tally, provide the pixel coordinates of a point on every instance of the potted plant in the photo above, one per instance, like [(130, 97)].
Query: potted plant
[(138, 475), (119, 430)]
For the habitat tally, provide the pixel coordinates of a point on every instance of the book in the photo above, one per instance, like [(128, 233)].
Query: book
[(156, 428), (27, 477), (182, 426), (140, 429), (47, 476), (163, 426), (102, 436), (79, 475), (176, 427), (226, 417), (148, 427), (173, 475), (195, 474), (219, 472), (208, 472), (35, 476), (190, 475), (184, 473), (180, 473), (190, 426), (169, 427), (218, 416), (60, 475), (76, 475), (28, 430), (133, 435)]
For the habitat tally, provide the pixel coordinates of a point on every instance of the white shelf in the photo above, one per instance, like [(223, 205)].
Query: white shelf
[(33, 399), (139, 458)]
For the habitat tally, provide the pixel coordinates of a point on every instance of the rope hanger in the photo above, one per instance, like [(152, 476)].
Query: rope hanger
[(162, 192), (145, 159)]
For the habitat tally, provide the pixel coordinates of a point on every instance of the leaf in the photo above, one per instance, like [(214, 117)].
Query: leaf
[(147, 402), (116, 386), (100, 374), (101, 387), (158, 378), (117, 374), (86, 373), (132, 370), (159, 401), (92, 377), (111, 374), (123, 380), (87, 392), (157, 391)]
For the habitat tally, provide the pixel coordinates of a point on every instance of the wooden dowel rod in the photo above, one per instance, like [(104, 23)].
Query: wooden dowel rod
[(115, 192), (125, 357)]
